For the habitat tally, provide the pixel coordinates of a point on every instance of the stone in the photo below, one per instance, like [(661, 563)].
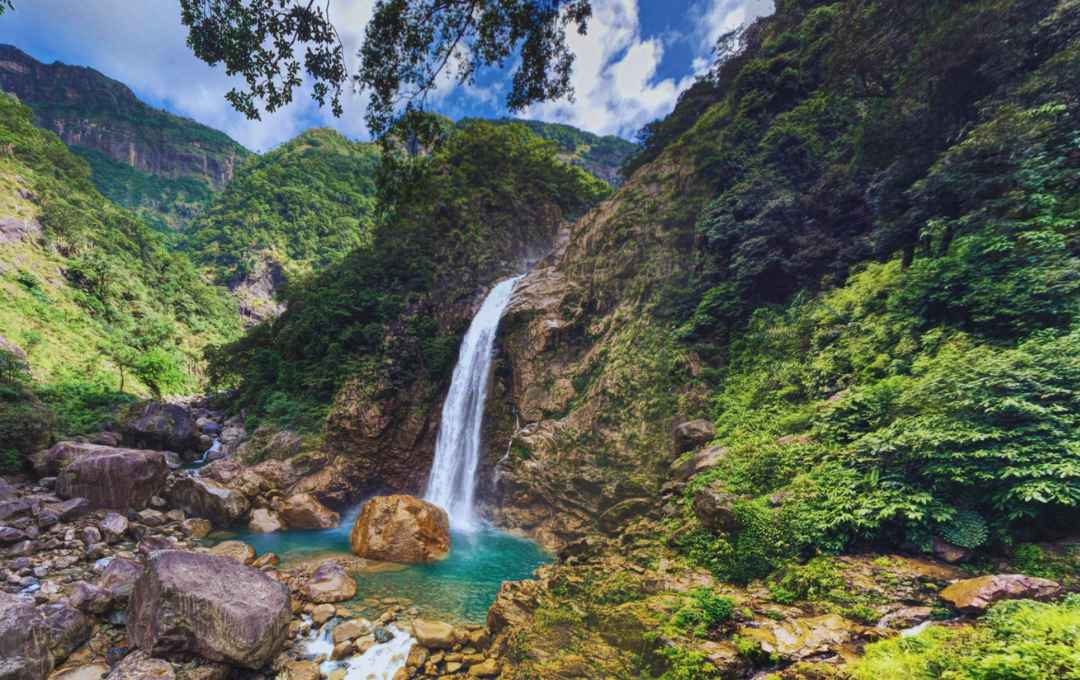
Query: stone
[(615, 517), (211, 500), (207, 426), (152, 543), (330, 583), (119, 577), (151, 518), (322, 613), (304, 511), (715, 509), (302, 670), (24, 643), (67, 629), (210, 606), (196, 527), (105, 438), (488, 668), (433, 634), (692, 435), (350, 630), (89, 598), (976, 595), (264, 521), (115, 479), (401, 529), (702, 460), (141, 666), (68, 510), (93, 671), (9, 535), (905, 617), (802, 638), (234, 550), (113, 526), (162, 426), (265, 561), (947, 552)]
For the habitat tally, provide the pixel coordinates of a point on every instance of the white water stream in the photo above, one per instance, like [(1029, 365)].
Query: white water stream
[(452, 483)]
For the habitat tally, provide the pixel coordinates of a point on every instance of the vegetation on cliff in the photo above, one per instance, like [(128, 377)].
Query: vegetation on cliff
[(89, 291), (483, 203), (303, 205)]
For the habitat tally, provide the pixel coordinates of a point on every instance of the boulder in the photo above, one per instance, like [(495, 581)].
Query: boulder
[(715, 509), (234, 550), (87, 597), (692, 435), (118, 479), (304, 511), (947, 552), (196, 527), (68, 510), (433, 634), (93, 671), (209, 606), (119, 577), (105, 438), (206, 498), (330, 583), (401, 529), (264, 521), (67, 629), (158, 425), (976, 595), (9, 535), (347, 631), (24, 640), (113, 526), (802, 638)]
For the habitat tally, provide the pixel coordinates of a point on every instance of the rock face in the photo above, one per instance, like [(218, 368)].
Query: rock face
[(158, 425), (976, 595), (213, 607), (401, 529), (115, 479), (304, 511), (206, 498)]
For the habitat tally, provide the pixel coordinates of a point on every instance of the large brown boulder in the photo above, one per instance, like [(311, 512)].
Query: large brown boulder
[(401, 529), (211, 500), (109, 478), (330, 583), (304, 511), (976, 595), (209, 606), (158, 425)]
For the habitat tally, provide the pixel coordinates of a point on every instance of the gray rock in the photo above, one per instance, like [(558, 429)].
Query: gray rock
[(158, 425), (692, 435), (116, 479), (201, 497)]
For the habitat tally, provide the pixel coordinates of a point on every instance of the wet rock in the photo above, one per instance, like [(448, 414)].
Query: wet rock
[(304, 511), (350, 630), (209, 499), (433, 634), (157, 425), (330, 583), (210, 606), (264, 521), (692, 435), (141, 666), (382, 634), (401, 529), (113, 527), (715, 509), (265, 561), (110, 478), (976, 595), (322, 613), (302, 670)]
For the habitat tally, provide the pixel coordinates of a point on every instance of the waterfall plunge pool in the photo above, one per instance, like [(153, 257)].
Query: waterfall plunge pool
[(460, 588)]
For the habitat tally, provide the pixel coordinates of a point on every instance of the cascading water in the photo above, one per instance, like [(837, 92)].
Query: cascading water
[(452, 482)]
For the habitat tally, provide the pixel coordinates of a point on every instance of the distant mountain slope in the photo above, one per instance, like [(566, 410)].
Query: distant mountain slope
[(601, 156), (89, 294), (172, 163), (296, 209)]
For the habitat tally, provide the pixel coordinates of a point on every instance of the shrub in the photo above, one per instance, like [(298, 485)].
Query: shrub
[(702, 611)]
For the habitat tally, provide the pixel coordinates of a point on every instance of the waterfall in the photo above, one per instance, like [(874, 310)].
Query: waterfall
[(452, 482)]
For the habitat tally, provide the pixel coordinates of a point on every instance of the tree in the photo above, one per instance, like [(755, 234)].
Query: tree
[(408, 46)]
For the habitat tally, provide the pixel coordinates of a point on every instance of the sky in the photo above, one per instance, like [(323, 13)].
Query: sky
[(630, 68)]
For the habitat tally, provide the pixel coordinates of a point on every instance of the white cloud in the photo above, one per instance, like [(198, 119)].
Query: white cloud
[(713, 18), (615, 89)]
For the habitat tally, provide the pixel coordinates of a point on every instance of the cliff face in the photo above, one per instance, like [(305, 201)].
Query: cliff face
[(87, 109)]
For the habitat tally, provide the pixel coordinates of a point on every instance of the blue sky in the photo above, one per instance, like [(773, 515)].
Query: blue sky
[(637, 57)]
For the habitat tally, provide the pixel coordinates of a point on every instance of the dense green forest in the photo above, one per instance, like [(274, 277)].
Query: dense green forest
[(461, 216), (303, 205), (97, 303)]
